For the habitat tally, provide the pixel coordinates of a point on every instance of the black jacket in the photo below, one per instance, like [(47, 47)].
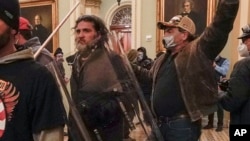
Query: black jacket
[(237, 99)]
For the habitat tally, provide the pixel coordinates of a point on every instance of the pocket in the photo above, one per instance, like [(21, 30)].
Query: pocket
[(185, 130)]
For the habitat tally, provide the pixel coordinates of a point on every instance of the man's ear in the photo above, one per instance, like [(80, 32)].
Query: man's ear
[(13, 31), (185, 36), (98, 36), (17, 37)]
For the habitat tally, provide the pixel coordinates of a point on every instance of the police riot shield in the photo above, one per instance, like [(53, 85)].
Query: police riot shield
[(127, 92), (109, 99)]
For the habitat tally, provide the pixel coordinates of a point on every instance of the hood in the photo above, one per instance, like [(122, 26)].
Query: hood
[(34, 43), (19, 55), (144, 51)]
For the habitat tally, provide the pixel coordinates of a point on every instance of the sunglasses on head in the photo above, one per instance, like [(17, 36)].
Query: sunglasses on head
[(246, 29), (175, 20)]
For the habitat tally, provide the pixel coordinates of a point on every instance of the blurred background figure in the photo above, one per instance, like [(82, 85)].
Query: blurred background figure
[(244, 47), (235, 99), (221, 67), (142, 59), (24, 39), (58, 56), (132, 55)]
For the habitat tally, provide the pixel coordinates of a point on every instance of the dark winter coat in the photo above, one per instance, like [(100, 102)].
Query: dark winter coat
[(237, 99)]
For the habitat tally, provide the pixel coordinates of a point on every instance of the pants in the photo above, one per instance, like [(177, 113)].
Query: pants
[(113, 133), (181, 130), (220, 116)]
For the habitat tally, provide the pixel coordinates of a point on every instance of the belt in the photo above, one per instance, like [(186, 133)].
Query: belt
[(164, 119)]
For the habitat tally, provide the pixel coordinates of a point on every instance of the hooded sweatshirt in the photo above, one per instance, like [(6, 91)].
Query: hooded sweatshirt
[(23, 54), (30, 100), (45, 56)]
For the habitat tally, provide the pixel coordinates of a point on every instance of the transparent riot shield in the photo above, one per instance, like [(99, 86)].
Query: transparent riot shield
[(129, 95), (108, 96)]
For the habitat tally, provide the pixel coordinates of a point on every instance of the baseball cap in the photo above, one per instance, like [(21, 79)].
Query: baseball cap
[(246, 31), (10, 12), (24, 24), (183, 22)]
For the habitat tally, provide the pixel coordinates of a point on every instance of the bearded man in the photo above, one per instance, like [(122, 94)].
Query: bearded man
[(94, 82)]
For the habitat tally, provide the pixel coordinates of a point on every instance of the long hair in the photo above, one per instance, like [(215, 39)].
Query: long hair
[(99, 26)]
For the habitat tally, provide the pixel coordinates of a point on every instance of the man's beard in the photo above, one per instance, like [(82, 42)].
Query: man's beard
[(86, 47), (81, 47), (5, 38), (61, 60)]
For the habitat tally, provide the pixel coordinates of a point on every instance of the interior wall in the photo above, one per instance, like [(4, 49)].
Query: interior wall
[(105, 6), (148, 27), (64, 36), (145, 26)]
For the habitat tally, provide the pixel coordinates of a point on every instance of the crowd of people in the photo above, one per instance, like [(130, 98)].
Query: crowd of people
[(104, 88)]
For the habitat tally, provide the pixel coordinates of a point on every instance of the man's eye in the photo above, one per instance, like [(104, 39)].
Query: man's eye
[(168, 30), (78, 31)]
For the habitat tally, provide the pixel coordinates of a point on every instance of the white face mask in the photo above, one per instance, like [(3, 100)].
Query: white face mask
[(168, 42), (243, 51), (139, 56)]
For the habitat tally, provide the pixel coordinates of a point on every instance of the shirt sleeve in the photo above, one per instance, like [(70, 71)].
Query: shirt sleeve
[(223, 69), (47, 109), (55, 134)]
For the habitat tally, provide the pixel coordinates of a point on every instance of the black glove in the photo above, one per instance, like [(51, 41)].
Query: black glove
[(223, 84)]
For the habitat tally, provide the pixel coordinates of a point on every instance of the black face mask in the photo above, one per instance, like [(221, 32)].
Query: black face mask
[(20, 47)]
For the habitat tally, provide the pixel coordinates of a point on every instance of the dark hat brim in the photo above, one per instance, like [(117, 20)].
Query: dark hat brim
[(244, 35), (164, 25)]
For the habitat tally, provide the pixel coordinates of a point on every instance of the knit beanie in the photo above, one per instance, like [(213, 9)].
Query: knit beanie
[(58, 51), (10, 12)]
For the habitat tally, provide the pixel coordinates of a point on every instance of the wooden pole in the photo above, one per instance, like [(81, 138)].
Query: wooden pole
[(56, 29)]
